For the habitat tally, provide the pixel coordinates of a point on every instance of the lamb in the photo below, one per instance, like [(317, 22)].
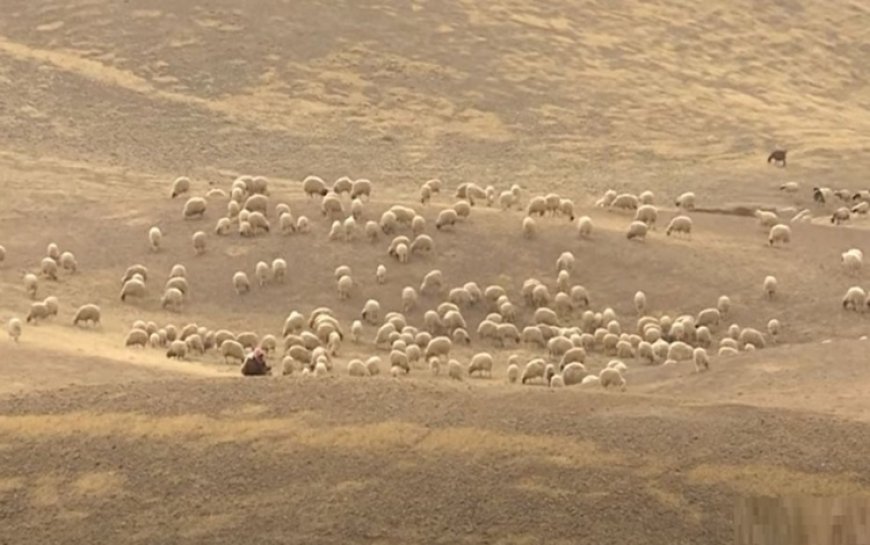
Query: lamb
[(852, 260), (446, 218), (136, 337), (680, 224), (770, 286), (345, 287), (530, 228), (855, 299), (13, 327), (194, 207), (87, 313), (314, 185), (279, 270), (481, 363), (701, 360), (648, 214), (637, 230), (68, 262), (263, 273), (172, 299), (686, 201), (180, 186), (361, 187), (779, 234), (625, 201), (154, 238), (584, 227), (241, 283)]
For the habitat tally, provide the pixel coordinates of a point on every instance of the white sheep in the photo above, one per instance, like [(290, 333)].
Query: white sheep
[(234, 210), (723, 305), (314, 185), (779, 234), (701, 360), (680, 224), (770, 286), (286, 223), (302, 225), (647, 197), (198, 240), (533, 370), (409, 299), (611, 377), (371, 312), (350, 228), (640, 302), (766, 219), (154, 238), (855, 299), (774, 328), (852, 260), (194, 207), (481, 363), (345, 287), (177, 350), (180, 186), (530, 228), (361, 187), (606, 199), (751, 336), (31, 284), (137, 337), (422, 244), (840, 215), (87, 313), (13, 327), (132, 288), (172, 299), (223, 226), (446, 218), (241, 283), (565, 262), (279, 270), (263, 273), (648, 214), (625, 201), (381, 274), (68, 262), (38, 311), (49, 268), (336, 232), (636, 230), (686, 201)]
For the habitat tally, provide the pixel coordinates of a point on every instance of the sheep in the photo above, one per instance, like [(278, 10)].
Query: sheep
[(361, 187), (723, 305), (534, 369), (773, 328), (38, 311), (154, 238), (350, 228), (177, 350), (31, 285), (241, 283), (422, 244), (647, 197), (513, 373), (606, 199), (790, 187), (701, 360), (87, 313), (409, 299), (371, 312), (779, 234), (233, 210), (401, 253), (648, 214), (373, 365), (48, 268), (636, 230), (625, 201), (686, 201), (68, 262), (356, 368), (13, 327), (855, 299), (708, 317), (751, 336), (766, 219), (263, 273), (180, 186), (136, 337), (566, 208), (331, 206), (565, 262), (433, 283), (611, 377), (481, 363), (173, 299), (680, 224), (279, 270), (344, 287), (314, 185), (770, 286), (852, 260), (530, 228), (438, 346), (640, 302), (53, 251), (840, 215), (302, 225), (194, 207), (446, 218), (132, 288), (258, 222)]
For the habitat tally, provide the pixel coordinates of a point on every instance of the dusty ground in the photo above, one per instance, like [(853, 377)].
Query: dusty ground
[(105, 103)]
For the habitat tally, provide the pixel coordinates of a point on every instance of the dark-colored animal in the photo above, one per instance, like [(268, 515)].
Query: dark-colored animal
[(777, 156)]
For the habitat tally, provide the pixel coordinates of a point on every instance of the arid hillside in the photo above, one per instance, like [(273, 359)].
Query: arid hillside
[(105, 104)]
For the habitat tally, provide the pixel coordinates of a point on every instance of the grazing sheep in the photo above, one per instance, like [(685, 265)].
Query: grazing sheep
[(198, 240), (241, 283), (647, 197), (766, 219), (263, 273), (840, 215), (584, 227), (779, 234), (350, 228), (258, 223), (625, 201), (342, 185), (180, 186), (371, 312), (336, 232), (38, 311), (790, 187), (433, 283), (701, 360), (708, 317), (49, 268), (530, 228), (686, 201), (565, 262), (177, 350), (233, 210), (381, 274), (423, 244), (724, 305), (680, 224), (409, 299), (462, 209), (136, 337), (331, 206), (534, 369), (636, 230), (361, 187), (770, 286), (172, 299), (513, 373), (345, 287), (777, 156), (87, 313), (648, 214), (852, 260), (302, 225), (356, 368), (773, 328), (53, 251), (481, 363), (194, 207), (438, 347), (454, 370), (611, 377), (31, 284), (132, 288), (607, 199), (446, 218), (314, 185), (751, 336), (154, 238), (855, 299), (286, 223), (13, 327), (68, 262), (566, 207)]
